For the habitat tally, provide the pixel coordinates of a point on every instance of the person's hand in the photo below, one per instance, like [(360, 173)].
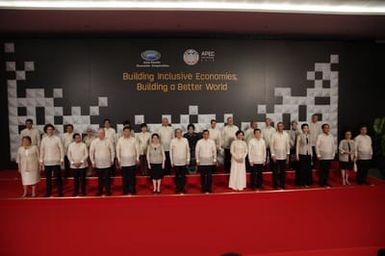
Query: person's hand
[(163, 166), (274, 158), (94, 166), (149, 167), (251, 163), (287, 160), (137, 162), (297, 158), (77, 165), (41, 167), (172, 165)]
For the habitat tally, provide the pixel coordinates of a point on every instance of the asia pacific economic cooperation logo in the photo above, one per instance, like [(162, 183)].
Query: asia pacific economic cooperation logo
[(150, 55), (151, 59), (191, 57)]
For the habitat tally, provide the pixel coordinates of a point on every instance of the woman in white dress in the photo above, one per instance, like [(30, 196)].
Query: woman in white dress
[(238, 150), (28, 164)]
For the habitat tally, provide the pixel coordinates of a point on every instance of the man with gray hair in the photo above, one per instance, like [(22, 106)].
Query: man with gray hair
[(102, 155)]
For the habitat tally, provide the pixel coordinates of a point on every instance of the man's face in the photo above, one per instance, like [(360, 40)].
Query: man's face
[(126, 133), (165, 122), (101, 134), (69, 129), (144, 129), (326, 129), (364, 130), (257, 134), (205, 135), (254, 125), (280, 127), (178, 134), (268, 122), (50, 131), (107, 124), (294, 126), (28, 124), (77, 139), (305, 129), (213, 125), (314, 118), (230, 121)]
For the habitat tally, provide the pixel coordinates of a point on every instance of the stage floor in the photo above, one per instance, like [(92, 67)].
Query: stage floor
[(313, 222)]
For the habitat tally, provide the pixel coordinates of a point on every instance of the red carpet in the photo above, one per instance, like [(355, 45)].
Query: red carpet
[(313, 222)]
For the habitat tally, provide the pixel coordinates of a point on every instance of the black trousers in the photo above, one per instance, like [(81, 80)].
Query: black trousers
[(279, 173), (314, 158), (362, 171), (79, 178), (227, 160), (180, 178), (167, 163), (256, 176), (55, 170), (104, 180), (67, 167), (143, 164), (269, 162), (324, 169), (206, 177), (129, 179), (294, 165), (305, 177)]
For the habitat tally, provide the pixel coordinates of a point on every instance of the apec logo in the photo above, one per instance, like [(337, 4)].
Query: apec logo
[(192, 57), (151, 55)]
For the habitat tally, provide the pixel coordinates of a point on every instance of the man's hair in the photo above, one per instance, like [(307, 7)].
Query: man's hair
[(48, 126), (126, 128), (69, 125), (239, 132)]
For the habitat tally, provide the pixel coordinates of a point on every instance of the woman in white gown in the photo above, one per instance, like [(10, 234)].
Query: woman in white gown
[(238, 150), (28, 164)]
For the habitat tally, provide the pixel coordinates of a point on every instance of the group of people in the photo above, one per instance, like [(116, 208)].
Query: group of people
[(157, 153)]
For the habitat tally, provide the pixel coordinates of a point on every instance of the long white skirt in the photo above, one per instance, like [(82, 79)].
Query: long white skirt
[(30, 177), (237, 175)]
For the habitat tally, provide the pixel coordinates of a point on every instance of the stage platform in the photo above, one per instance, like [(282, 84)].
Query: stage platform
[(342, 220)]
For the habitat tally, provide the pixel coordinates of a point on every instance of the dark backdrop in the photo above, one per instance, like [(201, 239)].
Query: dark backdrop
[(90, 68)]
